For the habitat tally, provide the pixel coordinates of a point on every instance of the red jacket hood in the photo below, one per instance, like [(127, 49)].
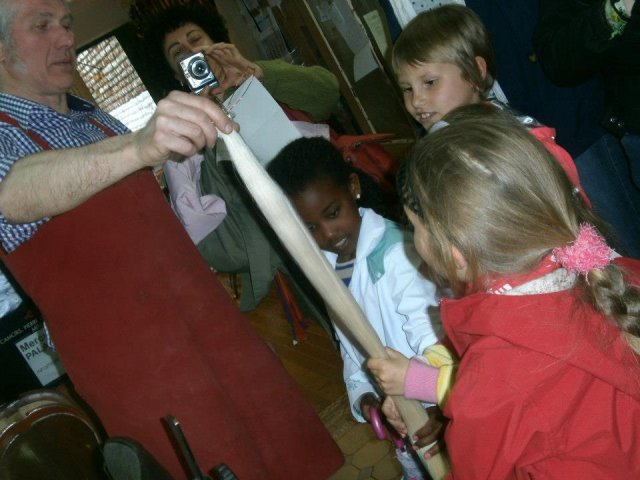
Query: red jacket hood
[(584, 338)]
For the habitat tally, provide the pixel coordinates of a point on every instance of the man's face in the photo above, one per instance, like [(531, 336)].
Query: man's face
[(40, 59)]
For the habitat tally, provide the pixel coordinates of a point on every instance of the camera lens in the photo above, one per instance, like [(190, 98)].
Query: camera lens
[(199, 68)]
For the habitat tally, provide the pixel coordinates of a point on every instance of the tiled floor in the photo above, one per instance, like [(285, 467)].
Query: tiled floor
[(318, 372), (366, 457)]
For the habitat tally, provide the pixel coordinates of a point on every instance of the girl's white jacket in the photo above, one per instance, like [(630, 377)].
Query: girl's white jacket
[(393, 295)]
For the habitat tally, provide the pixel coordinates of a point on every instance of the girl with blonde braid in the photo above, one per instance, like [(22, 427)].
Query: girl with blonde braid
[(546, 319)]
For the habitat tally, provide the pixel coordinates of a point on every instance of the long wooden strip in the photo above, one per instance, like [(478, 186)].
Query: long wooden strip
[(296, 238)]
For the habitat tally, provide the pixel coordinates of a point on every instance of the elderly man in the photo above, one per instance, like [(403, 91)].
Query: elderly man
[(142, 326)]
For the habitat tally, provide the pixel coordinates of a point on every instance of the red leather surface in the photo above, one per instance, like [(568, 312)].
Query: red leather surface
[(145, 330)]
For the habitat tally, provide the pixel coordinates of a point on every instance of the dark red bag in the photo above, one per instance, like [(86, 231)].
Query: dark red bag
[(361, 151), (365, 153)]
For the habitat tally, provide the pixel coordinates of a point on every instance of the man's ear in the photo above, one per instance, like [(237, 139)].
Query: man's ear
[(3, 52), (482, 66)]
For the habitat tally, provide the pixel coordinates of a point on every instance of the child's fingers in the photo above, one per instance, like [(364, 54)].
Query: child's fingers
[(373, 364), (399, 427), (392, 353), (434, 450), (427, 434)]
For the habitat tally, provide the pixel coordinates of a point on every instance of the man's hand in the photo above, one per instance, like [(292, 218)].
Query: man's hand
[(390, 372), (182, 125), (55, 181)]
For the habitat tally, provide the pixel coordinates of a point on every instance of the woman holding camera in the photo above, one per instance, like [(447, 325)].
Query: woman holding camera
[(182, 30), (242, 242)]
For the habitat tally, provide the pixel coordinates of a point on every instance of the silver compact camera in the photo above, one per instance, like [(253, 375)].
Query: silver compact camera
[(197, 73)]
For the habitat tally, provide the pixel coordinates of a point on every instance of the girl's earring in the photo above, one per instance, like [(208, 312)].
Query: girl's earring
[(357, 196)]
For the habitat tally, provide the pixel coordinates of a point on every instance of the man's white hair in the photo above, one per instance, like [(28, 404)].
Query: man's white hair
[(7, 14), (8, 11)]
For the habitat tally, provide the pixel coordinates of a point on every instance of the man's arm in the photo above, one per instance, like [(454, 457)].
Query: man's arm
[(53, 182)]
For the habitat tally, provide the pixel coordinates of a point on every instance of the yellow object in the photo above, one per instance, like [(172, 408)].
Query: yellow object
[(440, 357)]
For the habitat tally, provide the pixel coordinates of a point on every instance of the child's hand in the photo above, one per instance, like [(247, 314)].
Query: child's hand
[(367, 401), (390, 372), (431, 432), (393, 416)]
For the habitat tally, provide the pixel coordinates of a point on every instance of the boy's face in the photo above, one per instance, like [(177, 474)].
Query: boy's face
[(431, 90), (331, 214)]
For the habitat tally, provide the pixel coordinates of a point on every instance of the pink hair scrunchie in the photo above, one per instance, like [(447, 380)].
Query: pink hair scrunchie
[(589, 251)]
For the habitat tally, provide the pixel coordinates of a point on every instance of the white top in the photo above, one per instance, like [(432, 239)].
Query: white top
[(199, 214), (395, 304)]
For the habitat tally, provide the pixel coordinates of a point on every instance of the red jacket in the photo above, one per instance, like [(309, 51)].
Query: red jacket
[(546, 389), (547, 136)]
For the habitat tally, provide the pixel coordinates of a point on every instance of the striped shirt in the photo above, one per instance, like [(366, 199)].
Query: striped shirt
[(59, 131), (345, 271)]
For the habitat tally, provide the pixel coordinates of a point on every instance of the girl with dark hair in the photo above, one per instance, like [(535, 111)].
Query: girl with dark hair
[(371, 254)]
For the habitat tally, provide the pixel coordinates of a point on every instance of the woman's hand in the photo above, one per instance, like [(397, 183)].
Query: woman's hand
[(390, 372), (229, 66)]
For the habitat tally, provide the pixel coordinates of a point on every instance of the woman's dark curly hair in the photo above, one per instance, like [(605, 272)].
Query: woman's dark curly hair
[(306, 160), (156, 28)]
